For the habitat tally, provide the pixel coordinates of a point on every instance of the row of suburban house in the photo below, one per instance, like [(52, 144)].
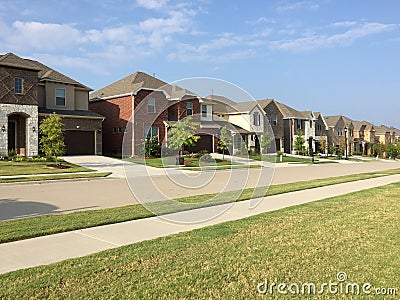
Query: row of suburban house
[(141, 106)]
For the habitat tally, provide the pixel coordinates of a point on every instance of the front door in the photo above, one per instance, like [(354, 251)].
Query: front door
[(12, 135)]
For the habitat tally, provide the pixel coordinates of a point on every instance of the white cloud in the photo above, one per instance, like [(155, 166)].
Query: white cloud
[(261, 20), (152, 4), (313, 42), (343, 24), (42, 36), (298, 5)]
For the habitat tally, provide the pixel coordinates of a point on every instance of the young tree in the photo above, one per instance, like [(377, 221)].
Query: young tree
[(182, 134), (225, 141), (299, 143), (381, 149), (52, 136), (266, 141), (393, 150), (323, 144)]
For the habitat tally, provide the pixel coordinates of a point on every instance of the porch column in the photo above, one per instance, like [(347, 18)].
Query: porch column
[(32, 135), (3, 135)]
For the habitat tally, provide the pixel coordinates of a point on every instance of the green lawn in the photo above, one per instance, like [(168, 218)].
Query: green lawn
[(54, 177), (289, 159), (165, 162), (9, 168), (43, 225), (358, 234)]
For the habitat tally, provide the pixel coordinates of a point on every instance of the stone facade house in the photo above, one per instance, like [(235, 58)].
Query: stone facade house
[(29, 91)]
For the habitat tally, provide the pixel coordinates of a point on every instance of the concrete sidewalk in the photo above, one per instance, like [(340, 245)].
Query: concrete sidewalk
[(58, 247)]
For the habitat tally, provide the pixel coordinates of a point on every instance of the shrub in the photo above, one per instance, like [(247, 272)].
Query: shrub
[(206, 158), (12, 154), (152, 147)]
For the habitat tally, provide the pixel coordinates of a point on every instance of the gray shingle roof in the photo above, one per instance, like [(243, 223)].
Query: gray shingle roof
[(45, 73), (136, 81)]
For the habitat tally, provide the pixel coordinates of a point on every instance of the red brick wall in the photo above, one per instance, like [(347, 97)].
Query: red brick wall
[(117, 113)]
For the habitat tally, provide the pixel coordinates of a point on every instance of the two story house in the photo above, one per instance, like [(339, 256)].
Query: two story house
[(140, 106), (340, 129), (287, 124), (364, 137), (29, 91)]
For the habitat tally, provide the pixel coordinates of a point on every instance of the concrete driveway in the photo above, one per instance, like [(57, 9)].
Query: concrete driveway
[(118, 167)]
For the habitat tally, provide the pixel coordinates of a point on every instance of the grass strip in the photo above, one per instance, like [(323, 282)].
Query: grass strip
[(11, 168), (53, 177), (357, 233), (20, 229)]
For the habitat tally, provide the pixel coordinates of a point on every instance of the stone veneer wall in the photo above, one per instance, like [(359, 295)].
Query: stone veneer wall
[(31, 122)]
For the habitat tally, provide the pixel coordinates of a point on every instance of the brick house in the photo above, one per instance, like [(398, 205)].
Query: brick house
[(340, 128), (321, 130), (287, 123), (29, 91), (364, 137), (140, 106)]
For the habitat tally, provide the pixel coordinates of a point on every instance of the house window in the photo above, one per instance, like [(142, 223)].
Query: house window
[(120, 130), (274, 120), (114, 130), (189, 108), (256, 119), (60, 97), (18, 85), (310, 124), (204, 111), (298, 124), (150, 132), (151, 105), (340, 131)]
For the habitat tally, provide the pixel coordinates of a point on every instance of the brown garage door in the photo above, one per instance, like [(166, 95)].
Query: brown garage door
[(79, 142), (204, 143)]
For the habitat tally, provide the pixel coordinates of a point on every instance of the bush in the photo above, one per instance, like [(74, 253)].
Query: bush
[(12, 154), (152, 147), (207, 158), (201, 153), (279, 153)]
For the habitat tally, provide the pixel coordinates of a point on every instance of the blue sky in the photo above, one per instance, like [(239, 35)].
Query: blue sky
[(337, 57)]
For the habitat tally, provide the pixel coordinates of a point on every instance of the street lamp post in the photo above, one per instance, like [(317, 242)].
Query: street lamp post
[(310, 148), (345, 143)]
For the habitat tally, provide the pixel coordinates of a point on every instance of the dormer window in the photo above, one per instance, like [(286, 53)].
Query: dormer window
[(60, 97), (189, 108), (151, 105), (18, 85)]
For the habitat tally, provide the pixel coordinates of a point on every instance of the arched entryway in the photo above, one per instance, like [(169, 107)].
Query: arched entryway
[(17, 133)]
